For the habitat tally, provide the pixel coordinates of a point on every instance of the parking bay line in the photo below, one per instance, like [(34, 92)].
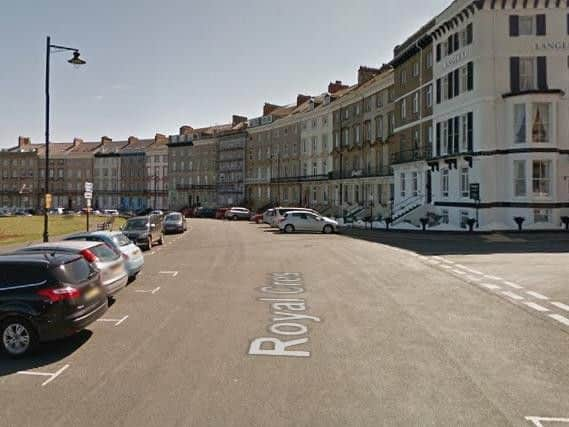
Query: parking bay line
[(513, 295), (490, 286), (153, 291), (536, 307), (116, 321), (561, 305), (172, 273), (560, 319), (537, 421), (512, 284), (45, 374), (537, 295)]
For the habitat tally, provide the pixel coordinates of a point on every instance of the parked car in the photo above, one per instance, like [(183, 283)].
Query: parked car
[(220, 213), (101, 257), (237, 213), (268, 216), (157, 212), (112, 212), (144, 231), (257, 218), (132, 256), (45, 297), (175, 222), (280, 213), (204, 213), (307, 221)]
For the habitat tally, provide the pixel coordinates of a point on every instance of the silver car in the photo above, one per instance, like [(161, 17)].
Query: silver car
[(114, 276), (132, 255), (237, 213), (280, 213), (307, 221)]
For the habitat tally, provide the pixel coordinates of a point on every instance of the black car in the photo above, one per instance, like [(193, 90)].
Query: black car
[(144, 231), (175, 222), (205, 212), (46, 297)]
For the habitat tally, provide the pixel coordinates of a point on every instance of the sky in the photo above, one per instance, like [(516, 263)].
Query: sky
[(153, 66)]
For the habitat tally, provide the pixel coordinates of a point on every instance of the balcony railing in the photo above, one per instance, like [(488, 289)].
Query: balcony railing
[(195, 187), (412, 155), (360, 173)]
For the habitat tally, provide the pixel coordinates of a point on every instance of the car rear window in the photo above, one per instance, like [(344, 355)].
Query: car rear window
[(121, 240), (73, 272), (136, 224), (173, 217), (104, 253), (21, 275)]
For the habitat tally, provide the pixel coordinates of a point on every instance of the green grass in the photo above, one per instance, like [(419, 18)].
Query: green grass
[(22, 229)]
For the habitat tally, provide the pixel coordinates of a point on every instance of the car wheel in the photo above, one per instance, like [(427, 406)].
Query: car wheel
[(289, 228), (18, 337), (234, 217), (328, 229)]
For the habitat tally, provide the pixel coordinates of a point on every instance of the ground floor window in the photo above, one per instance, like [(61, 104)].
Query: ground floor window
[(444, 182), (541, 216), (403, 184), (464, 219), (415, 183), (464, 182), (444, 216), (520, 186)]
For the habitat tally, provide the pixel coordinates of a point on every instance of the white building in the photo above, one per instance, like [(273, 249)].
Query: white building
[(501, 113)]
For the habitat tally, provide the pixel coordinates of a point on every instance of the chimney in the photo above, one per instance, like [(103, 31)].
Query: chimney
[(132, 140), (301, 99), (186, 130), (336, 86), (269, 108), (366, 74), (77, 142), (105, 139), (235, 120), (23, 142), (160, 138)]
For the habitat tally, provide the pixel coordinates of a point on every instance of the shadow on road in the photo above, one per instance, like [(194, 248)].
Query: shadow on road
[(45, 354), (465, 243)]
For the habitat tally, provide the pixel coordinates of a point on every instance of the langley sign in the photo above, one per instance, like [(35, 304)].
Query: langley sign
[(553, 45)]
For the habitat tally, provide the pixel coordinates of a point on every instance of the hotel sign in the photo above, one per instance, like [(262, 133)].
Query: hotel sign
[(457, 58), (553, 45)]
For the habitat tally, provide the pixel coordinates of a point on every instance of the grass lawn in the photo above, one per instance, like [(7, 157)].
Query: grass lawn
[(22, 229)]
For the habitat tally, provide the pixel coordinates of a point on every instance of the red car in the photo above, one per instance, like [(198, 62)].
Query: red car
[(220, 213), (257, 218)]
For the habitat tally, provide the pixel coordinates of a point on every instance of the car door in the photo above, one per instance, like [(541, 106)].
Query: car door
[(301, 221), (312, 222)]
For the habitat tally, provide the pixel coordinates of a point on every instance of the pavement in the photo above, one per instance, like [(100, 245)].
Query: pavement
[(232, 324)]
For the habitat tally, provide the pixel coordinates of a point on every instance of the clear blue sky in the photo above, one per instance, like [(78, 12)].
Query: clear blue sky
[(155, 65)]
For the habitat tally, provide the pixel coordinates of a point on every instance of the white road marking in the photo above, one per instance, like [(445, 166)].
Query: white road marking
[(172, 273), (560, 318), (490, 286), (513, 295), (537, 295), (537, 307), (470, 270), (512, 284), (537, 421), (459, 272), (492, 277), (561, 305), (153, 291), (45, 374), (117, 322)]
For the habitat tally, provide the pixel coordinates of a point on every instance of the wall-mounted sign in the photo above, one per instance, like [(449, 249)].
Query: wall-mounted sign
[(552, 45), (456, 58)]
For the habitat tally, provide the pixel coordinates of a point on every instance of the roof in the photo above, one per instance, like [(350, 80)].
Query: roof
[(111, 147), (38, 258), (85, 147), (70, 245), (139, 146)]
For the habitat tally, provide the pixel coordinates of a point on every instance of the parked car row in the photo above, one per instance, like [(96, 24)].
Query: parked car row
[(52, 290), (294, 219)]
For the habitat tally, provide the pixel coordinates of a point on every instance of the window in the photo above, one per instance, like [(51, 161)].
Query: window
[(325, 143), (541, 216), (463, 79), (346, 113), (416, 69), (314, 169), (444, 137), (324, 167), (403, 77), (463, 219), (429, 96), (358, 108), (367, 130), (379, 100), (314, 144), (464, 132), (390, 123), (520, 186), (336, 139), (314, 124), (540, 123), (415, 183), (379, 127), (528, 73), (464, 182), (416, 103), (304, 146), (346, 137), (430, 60), (520, 123), (404, 109), (542, 178), (444, 216), (444, 182), (403, 184), (357, 134)]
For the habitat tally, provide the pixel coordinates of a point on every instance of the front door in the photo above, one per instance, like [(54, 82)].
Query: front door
[(428, 187)]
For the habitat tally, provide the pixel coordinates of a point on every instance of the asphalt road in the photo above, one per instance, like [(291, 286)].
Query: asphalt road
[(234, 325)]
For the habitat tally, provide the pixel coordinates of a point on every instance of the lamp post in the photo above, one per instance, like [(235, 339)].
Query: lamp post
[(76, 60)]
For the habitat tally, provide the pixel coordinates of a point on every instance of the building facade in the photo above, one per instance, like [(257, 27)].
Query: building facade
[(107, 187), (19, 176), (157, 173), (231, 165)]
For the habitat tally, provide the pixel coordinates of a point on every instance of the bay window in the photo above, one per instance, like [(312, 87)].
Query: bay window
[(540, 129), (520, 186), (541, 178), (519, 123)]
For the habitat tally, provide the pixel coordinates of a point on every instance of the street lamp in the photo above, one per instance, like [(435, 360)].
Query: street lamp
[(75, 61)]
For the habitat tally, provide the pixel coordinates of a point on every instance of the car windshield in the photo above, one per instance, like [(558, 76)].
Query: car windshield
[(173, 217), (121, 240), (104, 253), (73, 272), (136, 224)]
